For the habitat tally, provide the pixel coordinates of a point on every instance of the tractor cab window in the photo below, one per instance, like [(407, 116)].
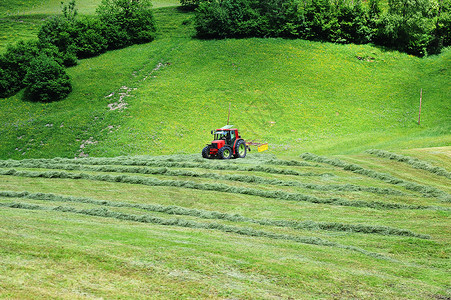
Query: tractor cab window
[(220, 135), (232, 135)]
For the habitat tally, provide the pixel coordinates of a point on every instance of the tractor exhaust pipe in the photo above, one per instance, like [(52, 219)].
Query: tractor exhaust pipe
[(228, 117)]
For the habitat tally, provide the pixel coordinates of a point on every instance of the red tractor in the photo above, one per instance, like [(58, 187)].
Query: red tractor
[(227, 143)]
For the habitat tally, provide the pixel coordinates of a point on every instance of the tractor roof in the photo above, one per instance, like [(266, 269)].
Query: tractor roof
[(226, 128)]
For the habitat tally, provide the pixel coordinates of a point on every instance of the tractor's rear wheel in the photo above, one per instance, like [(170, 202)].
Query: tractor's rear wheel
[(206, 152), (225, 152), (241, 149)]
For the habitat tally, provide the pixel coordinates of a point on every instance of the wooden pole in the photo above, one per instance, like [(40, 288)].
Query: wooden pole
[(419, 113), (228, 117)]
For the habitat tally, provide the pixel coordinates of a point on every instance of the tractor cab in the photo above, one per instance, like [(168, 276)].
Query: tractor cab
[(226, 143), (220, 135), (227, 135)]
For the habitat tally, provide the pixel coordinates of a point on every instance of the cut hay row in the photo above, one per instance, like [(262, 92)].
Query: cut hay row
[(245, 231), (207, 214), (218, 187), (227, 177), (159, 163), (254, 160), (427, 191), (267, 160), (414, 162)]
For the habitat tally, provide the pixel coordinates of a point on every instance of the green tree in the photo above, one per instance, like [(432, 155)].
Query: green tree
[(407, 26), (90, 39), (46, 80), (60, 30), (127, 21), (14, 64), (441, 36)]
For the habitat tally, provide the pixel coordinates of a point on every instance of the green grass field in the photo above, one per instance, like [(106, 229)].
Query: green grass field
[(105, 194), (179, 227)]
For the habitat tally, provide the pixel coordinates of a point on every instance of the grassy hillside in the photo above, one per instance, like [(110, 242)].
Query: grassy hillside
[(284, 224), (173, 227), (296, 95)]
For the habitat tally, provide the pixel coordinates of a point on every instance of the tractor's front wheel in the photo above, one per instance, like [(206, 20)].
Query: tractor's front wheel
[(206, 152), (225, 152), (240, 150)]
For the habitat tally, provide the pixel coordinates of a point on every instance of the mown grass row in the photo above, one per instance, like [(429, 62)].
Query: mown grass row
[(228, 177), (427, 191), (245, 231), (254, 159), (162, 163), (414, 162), (207, 214), (217, 187), (266, 161), (142, 160)]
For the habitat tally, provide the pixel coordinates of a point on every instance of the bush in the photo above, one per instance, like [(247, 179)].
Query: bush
[(14, 64), (119, 23), (73, 37), (353, 23), (239, 18), (46, 80), (89, 40), (127, 22), (407, 26), (58, 31), (8, 83), (212, 21), (442, 31)]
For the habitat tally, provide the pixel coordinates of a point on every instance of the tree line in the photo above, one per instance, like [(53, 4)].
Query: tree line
[(418, 27)]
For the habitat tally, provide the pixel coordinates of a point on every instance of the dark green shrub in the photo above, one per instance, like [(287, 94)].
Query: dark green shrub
[(46, 80), (353, 24), (116, 36), (318, 17), (17, 57), (239, 18), (444, 28), (407, 26), (58, 31), (441, 36), (211, 21), (14, 64), (8, 82), (89, 40), (73, 37), (69, 58), (63, 38), (141, 25), (127, 22)]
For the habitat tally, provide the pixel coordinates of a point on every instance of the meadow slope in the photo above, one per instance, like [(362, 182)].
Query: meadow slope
[(105, 194), (164, 97)]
